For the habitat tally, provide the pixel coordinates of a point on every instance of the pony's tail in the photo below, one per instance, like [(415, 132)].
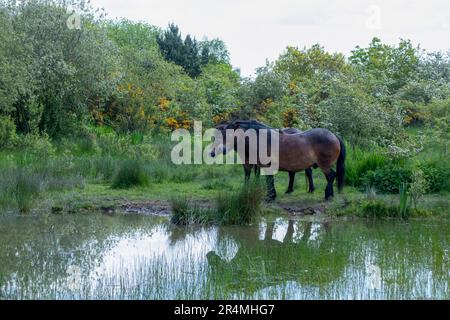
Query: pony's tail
[(340, 166)]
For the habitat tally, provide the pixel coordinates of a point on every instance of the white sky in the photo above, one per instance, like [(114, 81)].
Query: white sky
[(256, 30)]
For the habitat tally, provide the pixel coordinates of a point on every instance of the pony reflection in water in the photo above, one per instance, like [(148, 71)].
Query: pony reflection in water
[(298, 151), (307, 253)]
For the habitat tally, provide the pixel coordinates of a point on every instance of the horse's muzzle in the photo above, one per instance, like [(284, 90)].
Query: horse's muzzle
[(222, 150)]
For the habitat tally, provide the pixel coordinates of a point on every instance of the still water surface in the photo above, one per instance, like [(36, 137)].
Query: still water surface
[(134, 257)]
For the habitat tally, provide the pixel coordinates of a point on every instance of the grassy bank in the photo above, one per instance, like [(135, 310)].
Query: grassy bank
[(106, 170)]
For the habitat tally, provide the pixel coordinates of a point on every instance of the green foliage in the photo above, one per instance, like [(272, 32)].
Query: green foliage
[(184, 53), (220, 84), (214, 52), (436, 175), (98, 103), (37, 146), (66, 69), (307, 63), (103, 167), (378, 209), (418, 187), (396, 64), (361, 161), (21, 185), (435, 66), (387, 179), (386, 176), (351, 112), (8, 136), (269, 85), (130, 174)]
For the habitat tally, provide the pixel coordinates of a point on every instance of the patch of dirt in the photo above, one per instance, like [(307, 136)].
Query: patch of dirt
[(148, 208), (163, 208), (304, 211)]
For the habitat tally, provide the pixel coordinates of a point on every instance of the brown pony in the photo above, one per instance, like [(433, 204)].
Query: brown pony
[(249, 168), (318, 148), (308, 172)]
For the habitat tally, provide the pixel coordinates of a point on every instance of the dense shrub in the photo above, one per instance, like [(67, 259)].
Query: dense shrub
[(37, 146), (387, 179), (437, 175)]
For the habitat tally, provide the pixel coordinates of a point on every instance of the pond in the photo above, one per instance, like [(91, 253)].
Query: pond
[(97, 256)]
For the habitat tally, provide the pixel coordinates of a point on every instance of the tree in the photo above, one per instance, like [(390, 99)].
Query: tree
[(306, 63), (214, 51), (220, 84), (396, 65), (191, 57), (184, 53), (66, 71)]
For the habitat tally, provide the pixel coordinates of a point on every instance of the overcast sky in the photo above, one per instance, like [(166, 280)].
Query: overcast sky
[(256, 30)]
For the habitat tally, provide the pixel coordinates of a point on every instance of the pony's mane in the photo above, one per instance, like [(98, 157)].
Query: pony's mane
[(251, 124)]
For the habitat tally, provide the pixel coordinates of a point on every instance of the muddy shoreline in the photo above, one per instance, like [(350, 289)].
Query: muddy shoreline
[(163, 208)]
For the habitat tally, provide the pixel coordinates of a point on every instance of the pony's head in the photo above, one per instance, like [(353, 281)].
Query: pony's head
[(219, 145), (223, 143)]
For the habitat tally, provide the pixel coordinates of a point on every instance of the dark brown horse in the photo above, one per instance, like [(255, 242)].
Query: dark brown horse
[(248, 168), (298, 151), (308, 172)]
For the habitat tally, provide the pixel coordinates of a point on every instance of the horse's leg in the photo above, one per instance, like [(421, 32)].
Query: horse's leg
[(306, 231), (289, 233), (269, 231), (291, 182), (309, 175), (330, 175), (257, 170), (271, 192), (247, 171)]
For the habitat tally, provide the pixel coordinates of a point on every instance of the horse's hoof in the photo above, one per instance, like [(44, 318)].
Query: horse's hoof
[(289, 191), (311, 191)]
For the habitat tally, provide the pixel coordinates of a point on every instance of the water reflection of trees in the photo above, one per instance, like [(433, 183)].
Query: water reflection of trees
[(306, 254), (36, 252)]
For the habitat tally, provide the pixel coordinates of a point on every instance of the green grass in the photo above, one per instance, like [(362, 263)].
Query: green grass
[(137, 169), (238, 207), (242, 206), (185, 213), (130, 174), (359, 162)]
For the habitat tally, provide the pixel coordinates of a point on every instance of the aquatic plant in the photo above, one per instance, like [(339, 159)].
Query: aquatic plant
[(232, 208), (185, 213), (242, 206)]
